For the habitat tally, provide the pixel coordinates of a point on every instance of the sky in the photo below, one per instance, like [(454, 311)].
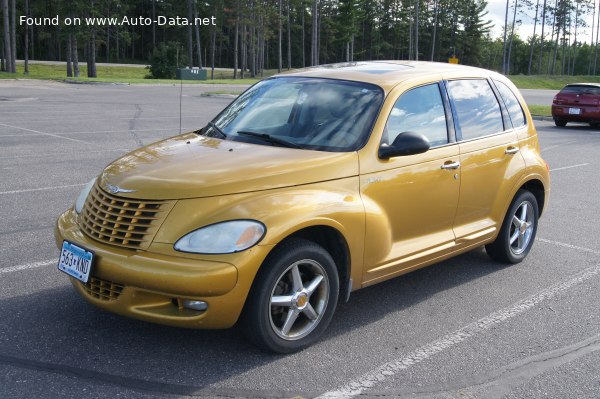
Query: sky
[(497, 8)]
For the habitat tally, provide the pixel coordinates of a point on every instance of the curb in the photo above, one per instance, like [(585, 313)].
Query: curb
[(542, 118), (80, 82), (219, 95)]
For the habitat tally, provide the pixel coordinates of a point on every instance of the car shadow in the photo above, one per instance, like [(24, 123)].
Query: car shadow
[(372, 303), (580, 127), (56, 331)]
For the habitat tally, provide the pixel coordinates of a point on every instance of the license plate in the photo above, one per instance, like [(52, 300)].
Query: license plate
[(574, 111), (75, 261)]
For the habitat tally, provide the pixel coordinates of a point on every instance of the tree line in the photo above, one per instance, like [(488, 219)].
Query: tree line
[(254, 35), (555, 47)]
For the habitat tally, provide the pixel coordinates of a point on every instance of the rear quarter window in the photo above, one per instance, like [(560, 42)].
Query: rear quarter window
[(515, 110)]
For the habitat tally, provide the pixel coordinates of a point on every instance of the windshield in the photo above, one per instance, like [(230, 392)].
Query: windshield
[(309, 113)]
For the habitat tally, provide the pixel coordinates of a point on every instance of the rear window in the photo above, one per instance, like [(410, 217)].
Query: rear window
[(581, 89)]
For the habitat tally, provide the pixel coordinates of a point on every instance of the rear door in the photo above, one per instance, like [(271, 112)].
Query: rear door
[(489, 158)]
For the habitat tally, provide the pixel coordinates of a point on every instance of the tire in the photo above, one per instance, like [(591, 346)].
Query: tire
[(518, 230), (303, 278), (560, 122), (595, 125)]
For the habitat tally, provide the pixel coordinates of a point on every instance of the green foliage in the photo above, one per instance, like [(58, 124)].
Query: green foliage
[(541, 110), (165, 60), (355, 29), (550, 82), (117, 74), (471, 38), (57, 72)]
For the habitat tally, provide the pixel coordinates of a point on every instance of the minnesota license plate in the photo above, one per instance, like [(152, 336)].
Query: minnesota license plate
[(574, 111), (75, 261)]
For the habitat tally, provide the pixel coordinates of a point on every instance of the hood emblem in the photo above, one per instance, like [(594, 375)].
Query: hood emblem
[(116, 189)]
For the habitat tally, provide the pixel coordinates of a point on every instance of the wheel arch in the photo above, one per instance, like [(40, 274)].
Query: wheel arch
[(334, 242), (536, 187)]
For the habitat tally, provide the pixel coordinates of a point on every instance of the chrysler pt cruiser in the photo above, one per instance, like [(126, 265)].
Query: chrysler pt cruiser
[(308, 186)]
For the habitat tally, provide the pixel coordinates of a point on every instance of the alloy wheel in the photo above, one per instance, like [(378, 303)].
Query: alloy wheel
[(521, 229), (299, 299)]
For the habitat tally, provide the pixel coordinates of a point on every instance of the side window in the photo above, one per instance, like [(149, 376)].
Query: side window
[(512, 104), (477, 108), (419, 110)]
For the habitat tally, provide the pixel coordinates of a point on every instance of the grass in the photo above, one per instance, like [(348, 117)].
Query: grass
[(128, 74), (541, 110), (555, 82), (117, 74)]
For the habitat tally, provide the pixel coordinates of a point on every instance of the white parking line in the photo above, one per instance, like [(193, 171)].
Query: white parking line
[(148, 118), (116, 112), (387, 370), (63, 153), (171, 129), (557, 145), (44, 133), (40, 189), (380, 374), (562, 244), (27, 266), (569, 167)]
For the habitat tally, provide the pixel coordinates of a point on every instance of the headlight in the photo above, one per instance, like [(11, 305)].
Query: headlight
[(83, 195), (222, 238)]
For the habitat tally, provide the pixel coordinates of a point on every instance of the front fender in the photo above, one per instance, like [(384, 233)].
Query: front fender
[(336, 204)]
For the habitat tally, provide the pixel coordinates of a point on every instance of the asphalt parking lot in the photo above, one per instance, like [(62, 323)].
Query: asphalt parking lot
[(464, 328)]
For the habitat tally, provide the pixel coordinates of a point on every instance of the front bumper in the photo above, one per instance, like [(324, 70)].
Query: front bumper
[(151, 286)]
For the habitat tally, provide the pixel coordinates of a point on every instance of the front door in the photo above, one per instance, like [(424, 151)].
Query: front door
[(411, 200)]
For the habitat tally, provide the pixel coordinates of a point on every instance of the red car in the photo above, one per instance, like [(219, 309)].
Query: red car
[(577, 102)]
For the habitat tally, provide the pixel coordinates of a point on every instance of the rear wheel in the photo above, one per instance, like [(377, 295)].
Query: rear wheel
[(560, 122), (595, 125), (518, 230), (293, 297)]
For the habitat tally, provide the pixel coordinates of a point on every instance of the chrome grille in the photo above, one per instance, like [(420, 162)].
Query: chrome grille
[(103, 290), (123, 222)]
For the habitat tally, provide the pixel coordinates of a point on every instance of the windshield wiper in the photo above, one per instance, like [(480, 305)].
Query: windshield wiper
[(270, 139), (217, 129)]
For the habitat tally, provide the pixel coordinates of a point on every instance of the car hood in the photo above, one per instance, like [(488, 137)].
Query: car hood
[(192, 166)]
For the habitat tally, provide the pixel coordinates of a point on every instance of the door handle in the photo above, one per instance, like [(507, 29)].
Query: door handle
[(511, 150), (451, 165)]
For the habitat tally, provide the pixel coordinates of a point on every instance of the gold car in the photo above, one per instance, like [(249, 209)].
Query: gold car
[(308, 186)]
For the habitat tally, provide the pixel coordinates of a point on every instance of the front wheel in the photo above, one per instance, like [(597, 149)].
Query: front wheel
[(518, 230), (293, 297)]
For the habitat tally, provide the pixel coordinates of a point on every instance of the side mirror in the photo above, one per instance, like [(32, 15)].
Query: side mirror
[(406, 143)]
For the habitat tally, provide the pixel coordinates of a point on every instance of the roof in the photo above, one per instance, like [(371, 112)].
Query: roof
[(388, 74)]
